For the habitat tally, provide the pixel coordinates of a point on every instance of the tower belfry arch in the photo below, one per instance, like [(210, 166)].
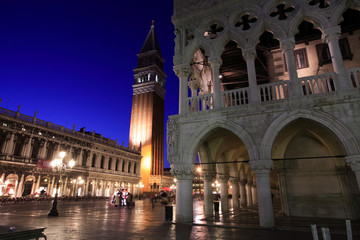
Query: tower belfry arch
[(147, 112)]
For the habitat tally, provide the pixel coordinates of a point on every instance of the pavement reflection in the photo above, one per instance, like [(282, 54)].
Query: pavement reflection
[(99, 220)]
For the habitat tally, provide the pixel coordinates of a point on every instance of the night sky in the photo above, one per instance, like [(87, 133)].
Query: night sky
[(73, 60)]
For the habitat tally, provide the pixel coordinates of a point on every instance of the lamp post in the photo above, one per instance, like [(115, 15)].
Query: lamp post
[(139, 189), (59, 166)]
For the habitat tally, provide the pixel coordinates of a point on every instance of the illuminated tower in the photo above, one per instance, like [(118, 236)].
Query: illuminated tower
[(147, 112)]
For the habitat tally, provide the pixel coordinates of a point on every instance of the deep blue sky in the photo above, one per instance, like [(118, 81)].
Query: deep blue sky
[(73, 60)]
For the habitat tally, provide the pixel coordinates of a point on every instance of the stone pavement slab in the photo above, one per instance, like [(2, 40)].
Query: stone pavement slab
[(98, 220)]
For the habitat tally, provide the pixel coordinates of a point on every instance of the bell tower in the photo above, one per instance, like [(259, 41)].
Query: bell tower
[(147, 112)]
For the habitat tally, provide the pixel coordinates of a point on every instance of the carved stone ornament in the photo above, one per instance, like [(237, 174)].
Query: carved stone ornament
[(182, 172), (234, 180), (172, 137), (353, 162), (208, 175), (223, 178), (261, 166), (174, 158)]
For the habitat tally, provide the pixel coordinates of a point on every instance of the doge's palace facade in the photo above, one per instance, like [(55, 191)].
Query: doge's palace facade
[(269, 103)]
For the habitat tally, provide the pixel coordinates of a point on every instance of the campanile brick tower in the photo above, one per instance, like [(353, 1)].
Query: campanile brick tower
[(147, 112)]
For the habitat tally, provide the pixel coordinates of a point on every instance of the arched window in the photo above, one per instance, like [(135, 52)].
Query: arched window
[(102, 162), (84, 157), (109, 165), (117, 165), (93, 161)]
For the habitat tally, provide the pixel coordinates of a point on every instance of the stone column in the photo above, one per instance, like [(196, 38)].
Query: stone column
[(208, 196), (94, 187), (19, 190), (126, 166), (42, 150), (24, 146), (102, 188), (249, 184), (89, 158), (287, 46), (86, 188), (283, 192), (79, 158), (262, 172), (2, 178), (224, 192), (33, 186), (183, 74), (331, 37), (52, 186), (249, 56), (235, 192), (29, 149), (348, 201), (254, 192), (64, 191), (38, 183), (10, 144), (215, 66), (354, 163), (184, 174), (243, 197)]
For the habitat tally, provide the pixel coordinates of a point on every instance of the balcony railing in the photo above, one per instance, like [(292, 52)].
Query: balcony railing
[(200, 103), (322, 83), (235, 97), (354, 75), (275, 91)]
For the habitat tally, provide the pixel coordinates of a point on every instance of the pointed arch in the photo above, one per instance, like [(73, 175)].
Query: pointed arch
[(196, 138), (338, 128)]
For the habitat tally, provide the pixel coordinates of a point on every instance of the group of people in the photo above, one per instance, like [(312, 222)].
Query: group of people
[(123, 198)]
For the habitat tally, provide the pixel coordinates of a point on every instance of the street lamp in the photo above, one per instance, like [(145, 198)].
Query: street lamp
[(59, 166), (140, 187)]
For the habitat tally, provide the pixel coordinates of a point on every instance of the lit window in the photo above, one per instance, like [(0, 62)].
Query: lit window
[(23, 129), (301, 60), (4, 124)]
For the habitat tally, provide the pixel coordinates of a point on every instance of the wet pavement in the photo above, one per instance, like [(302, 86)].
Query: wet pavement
[(98, 220)]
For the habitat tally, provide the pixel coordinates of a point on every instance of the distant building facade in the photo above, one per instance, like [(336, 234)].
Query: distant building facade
[(147, 112), (28, 145), (270, 103)]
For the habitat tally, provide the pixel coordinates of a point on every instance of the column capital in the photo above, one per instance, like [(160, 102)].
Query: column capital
[(353, 162), (223, 178), (234, 180), (194, 84), (215, 61), (208, 175), (331, 34), (287, 44), (183, 171), (249, 53), (243, 182), (182, 71), (261, 166)]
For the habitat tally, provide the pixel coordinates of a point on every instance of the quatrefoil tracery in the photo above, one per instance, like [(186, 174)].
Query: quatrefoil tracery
[(322, 3), (245, 22), (213, 31), (282, 11)]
